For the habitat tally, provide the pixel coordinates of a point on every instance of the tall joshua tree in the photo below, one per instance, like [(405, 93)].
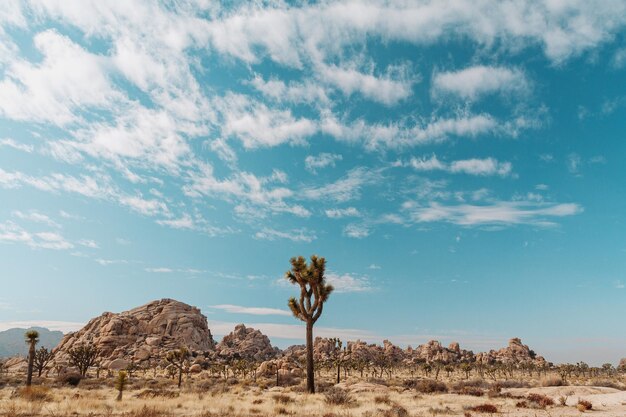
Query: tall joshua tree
[(32, 338), (314, 291)]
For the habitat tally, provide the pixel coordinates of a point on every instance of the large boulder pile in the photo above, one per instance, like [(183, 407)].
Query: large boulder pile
[(515, 353), (247, 343), (434, 351), (142, 334)]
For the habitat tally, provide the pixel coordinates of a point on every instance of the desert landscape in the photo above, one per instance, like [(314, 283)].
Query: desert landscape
[(312, 208), (129, 364)]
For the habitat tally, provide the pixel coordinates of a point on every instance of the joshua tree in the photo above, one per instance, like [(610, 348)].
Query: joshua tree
[(32, 338), (120, 384), (83, 357), (314, 291), (337, 355), (42, 358), (178, 358)]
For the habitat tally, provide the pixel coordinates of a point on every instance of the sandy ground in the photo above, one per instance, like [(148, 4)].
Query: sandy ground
[(239, 400)]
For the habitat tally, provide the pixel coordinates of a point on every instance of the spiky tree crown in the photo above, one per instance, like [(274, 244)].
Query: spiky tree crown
[(312, 282), (31, 336)]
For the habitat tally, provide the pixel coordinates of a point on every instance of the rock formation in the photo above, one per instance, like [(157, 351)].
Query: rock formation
[(142, 333), (247, 343), (515, 353), (434, 351)]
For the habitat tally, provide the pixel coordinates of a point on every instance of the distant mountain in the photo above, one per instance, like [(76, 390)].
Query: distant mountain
[(12, 341)]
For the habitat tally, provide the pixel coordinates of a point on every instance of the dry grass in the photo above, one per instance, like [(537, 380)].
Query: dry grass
[(211, 397)]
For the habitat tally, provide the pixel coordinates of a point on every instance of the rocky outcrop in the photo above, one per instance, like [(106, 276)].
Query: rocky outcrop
[(515, 353), (143, 333), (622, 364), (247, 343), (434, 351)]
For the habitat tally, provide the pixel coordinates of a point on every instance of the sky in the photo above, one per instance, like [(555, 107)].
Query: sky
[(457, 163)]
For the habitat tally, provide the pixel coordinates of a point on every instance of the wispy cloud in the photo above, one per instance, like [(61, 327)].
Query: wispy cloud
[(323, 160), (473, 82), (295, 235), (502, 213), (474, 166), (10, 143), (257, 311)]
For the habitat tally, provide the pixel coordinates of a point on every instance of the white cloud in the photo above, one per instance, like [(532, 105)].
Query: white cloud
[(184, 222), (374, 266), (35, 216), (385, 90), (473, 82), (8, 142), (346, 283), (160, 270), (308, 91), (92, 244), (344, 212), (497, 213), (257, 126), (13, 233), (107, 262), (291, 331), (68, 80), (296, 235), (344, 189), (257, 311), (357, 231), (323, 160), (62, 326), (474, 166)]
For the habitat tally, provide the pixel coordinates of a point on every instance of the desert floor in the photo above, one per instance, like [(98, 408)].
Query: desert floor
[(213, 398)]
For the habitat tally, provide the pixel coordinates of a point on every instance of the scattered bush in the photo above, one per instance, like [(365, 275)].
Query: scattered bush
[(71, 379), (436, 411), (338, 396), (281, 410), (474, 383), (146, 411), (282, 398), (552, 381), (521, 404), (396, 411), (584, 405), (509, 383), (607, 384), (485, 408), (475, 392), (563, 400), (540, 401), (426, 386), (257, 401), (382, 399), (32, 393), (157, 392)]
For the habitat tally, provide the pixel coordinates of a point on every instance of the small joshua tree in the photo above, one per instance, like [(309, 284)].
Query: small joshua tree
[(42, 358), (83, 357), (178, 358), (314, 292), (120, 384), (32, 338)]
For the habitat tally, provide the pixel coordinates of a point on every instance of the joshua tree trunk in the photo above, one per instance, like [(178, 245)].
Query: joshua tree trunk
[(180, 376), (31, 363), (310, 375)]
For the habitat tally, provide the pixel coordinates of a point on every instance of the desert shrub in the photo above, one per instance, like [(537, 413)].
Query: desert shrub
[(521, 404), (584, 405), (156, 393), (32, 393), (563, 400), (435, 411), (607, 384), (338, 396), (509, 383), (146, 411), (282, 398), (475, 383), (281, 410), (377, 381), (396, 411), (485, 408), (475, 392), (540, 401), (552, 381), (71, 379), (426, 386), (257, 401), (382, 399)]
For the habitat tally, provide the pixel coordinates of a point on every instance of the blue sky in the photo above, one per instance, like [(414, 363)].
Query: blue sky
[(459, 164)]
